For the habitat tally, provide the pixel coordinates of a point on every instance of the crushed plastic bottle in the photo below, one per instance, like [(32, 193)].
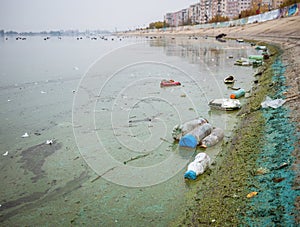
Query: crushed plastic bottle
[(182, 129), (198, 166), (213, 138), (194, 137)]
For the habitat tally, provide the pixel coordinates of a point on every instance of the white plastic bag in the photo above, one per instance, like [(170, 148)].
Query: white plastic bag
[(272, 103)]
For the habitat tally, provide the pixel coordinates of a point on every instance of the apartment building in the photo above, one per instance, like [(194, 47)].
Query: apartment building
[(204, 10)]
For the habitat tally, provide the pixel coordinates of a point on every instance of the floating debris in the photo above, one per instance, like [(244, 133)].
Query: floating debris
[(25, 135), (49, 142), (5, 154)]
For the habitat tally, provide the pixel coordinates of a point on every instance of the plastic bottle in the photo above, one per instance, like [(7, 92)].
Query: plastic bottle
[(194, 137), (213, 138), (198, 166), (182, 129), (237, 94), (255, 57)]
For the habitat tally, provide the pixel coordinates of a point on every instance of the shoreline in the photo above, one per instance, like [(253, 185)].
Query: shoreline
[(220, 197)]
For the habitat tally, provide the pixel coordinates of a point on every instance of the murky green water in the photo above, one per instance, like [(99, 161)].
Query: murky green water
[(97, 113)]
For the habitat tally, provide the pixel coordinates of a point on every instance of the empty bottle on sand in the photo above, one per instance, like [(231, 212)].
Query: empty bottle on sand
[(216, 135), (198, 166), (194, 137), (184, 128)]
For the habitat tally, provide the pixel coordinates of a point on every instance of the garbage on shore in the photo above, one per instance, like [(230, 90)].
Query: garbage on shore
[(237, 94), (198, 166), (194, 137), (182, 129), (197, 132), (272, 103), (213, 138), (225, 104), (248, 62)]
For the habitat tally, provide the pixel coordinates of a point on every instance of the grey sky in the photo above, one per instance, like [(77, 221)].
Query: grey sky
[(39, 15)]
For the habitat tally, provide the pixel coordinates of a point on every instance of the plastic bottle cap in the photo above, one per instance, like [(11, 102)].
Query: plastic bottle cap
[(190, 174), (232, 96)]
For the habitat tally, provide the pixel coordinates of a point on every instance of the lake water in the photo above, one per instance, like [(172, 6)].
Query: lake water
[(94, 99)]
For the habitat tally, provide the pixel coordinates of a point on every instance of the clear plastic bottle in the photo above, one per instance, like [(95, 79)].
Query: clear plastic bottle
[(213, 138), (194, 137), (198, 166), (186, 127)]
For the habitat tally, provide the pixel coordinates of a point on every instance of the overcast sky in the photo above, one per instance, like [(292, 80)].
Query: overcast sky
[(40, 15)]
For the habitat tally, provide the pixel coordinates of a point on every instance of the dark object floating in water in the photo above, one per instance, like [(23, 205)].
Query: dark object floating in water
[(220, 36), (229, 80)]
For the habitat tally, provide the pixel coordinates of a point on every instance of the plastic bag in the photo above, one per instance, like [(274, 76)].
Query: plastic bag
[(198, 166), (272, 103)]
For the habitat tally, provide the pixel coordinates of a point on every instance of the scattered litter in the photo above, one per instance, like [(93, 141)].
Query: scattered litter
[(252, 194), (182, 129), (282, 165), (272, 103), (49, 142), (237, 94), (25, 135), (229, 79), (43, 92), (213, 138), (198, 166), (194, 137), (262, 170), (73, 91), (76, 68), (225, 104), (8, 100), (6, 153), (168, 83), (261, 48), (277, 179)]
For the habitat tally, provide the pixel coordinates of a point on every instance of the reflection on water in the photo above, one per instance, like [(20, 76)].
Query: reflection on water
[(40, 83)]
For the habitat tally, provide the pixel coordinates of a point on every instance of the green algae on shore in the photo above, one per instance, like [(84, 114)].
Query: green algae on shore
[(220, 197)]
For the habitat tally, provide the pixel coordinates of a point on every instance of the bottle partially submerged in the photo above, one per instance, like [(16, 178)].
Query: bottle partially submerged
[(194, 137), (198, 166), (184, 128), (213, 138)]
